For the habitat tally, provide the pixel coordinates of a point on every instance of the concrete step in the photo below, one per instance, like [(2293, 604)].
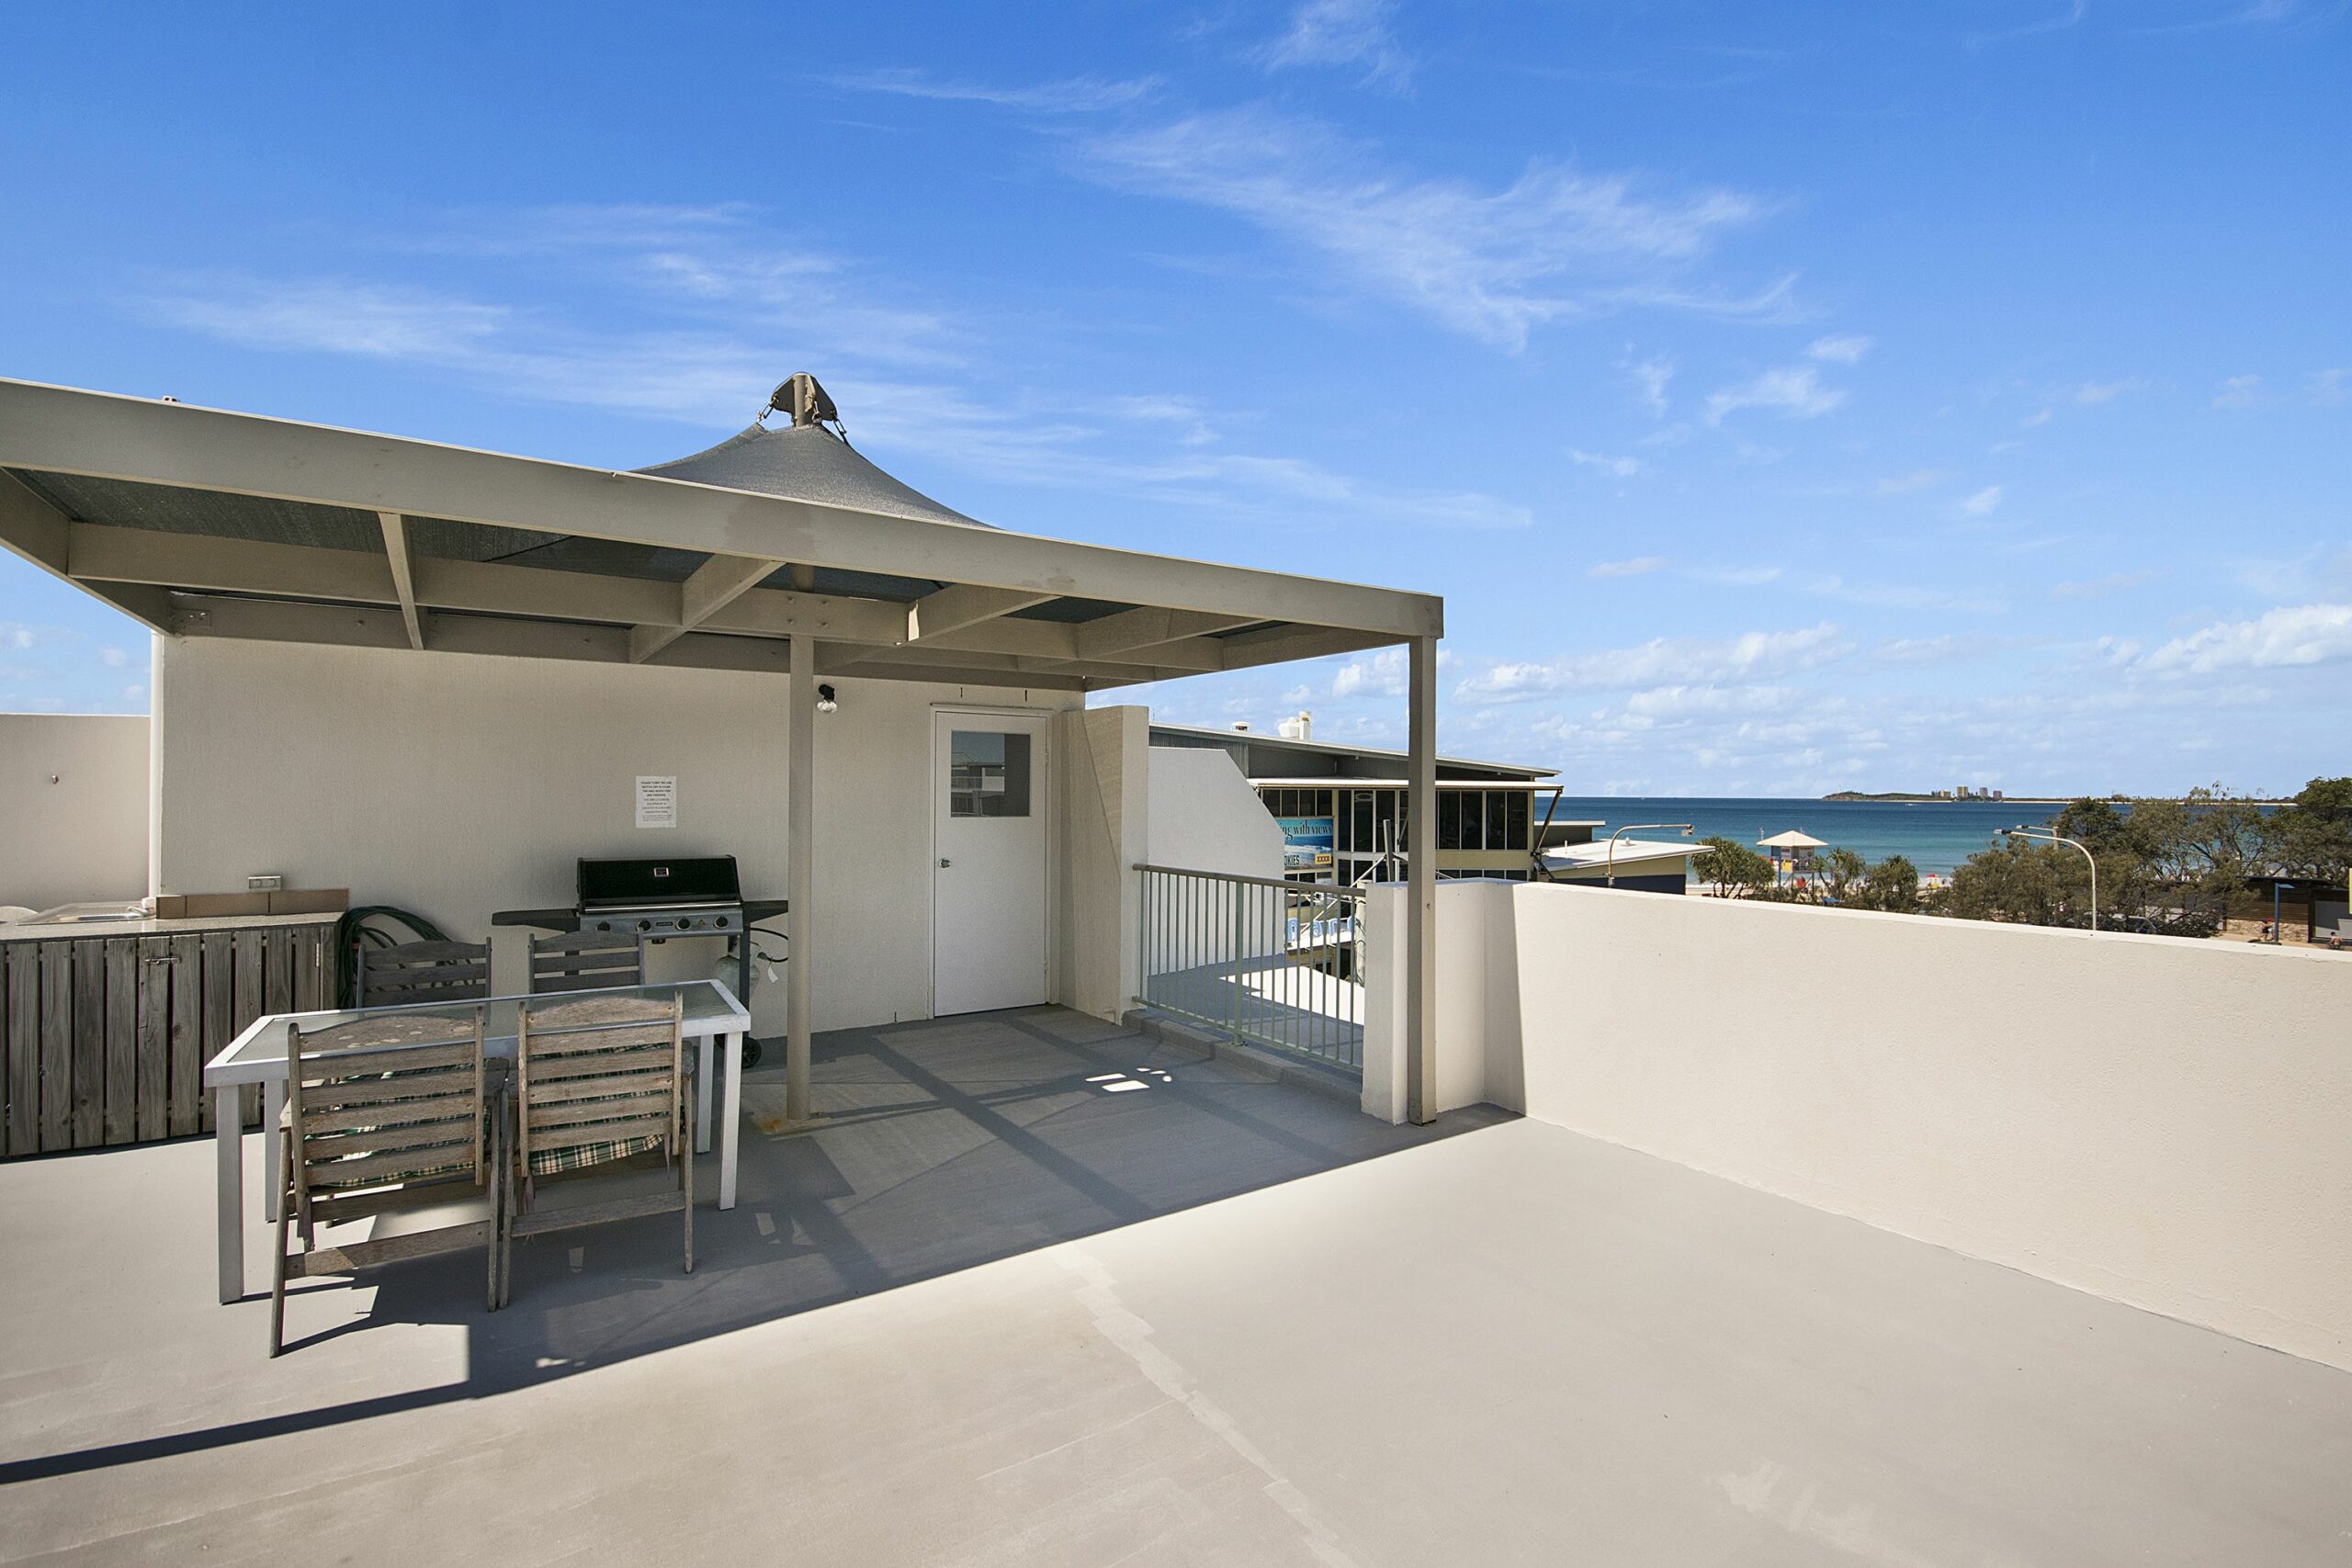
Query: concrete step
[(1267, 1066)]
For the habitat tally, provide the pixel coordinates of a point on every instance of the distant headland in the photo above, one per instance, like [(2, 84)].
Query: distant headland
[(1948, 797)]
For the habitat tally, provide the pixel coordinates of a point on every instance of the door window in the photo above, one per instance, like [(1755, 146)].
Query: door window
[(987, 774)]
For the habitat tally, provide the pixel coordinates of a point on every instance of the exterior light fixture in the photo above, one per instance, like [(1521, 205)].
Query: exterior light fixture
[(1610, 872), (2050, 836), (826, 701)]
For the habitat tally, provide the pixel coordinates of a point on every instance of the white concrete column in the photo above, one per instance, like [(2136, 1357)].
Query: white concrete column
[(800, 881), (1421, 886)]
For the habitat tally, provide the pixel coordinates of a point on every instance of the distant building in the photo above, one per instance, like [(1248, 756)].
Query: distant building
[(1343, 816)]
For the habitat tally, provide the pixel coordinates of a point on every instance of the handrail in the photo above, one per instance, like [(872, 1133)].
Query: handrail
[(1250, 881)]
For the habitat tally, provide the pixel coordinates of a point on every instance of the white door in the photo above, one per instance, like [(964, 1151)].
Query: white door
[(988, 888)]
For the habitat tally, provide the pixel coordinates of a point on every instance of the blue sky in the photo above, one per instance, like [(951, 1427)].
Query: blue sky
[(1785, 398)]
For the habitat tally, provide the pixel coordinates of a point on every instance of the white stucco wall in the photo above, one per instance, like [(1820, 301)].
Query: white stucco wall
[(72, 808), (1103, 779), (2156, 1121), (456, 785), (1477, 998), (1205, 816)]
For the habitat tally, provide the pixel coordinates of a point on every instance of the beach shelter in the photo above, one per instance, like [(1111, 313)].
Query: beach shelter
[(1790, 851)]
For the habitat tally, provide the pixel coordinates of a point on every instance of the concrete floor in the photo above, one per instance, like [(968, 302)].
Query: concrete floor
[(1510, 1346)]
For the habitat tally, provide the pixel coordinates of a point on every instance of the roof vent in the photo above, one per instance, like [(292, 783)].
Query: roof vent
[(806, 403)]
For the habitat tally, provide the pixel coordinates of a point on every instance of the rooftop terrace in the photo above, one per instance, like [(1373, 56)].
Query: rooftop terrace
[(1004, 1310)]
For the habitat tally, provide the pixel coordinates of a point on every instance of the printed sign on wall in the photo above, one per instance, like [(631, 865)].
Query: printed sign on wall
[(657, 801)]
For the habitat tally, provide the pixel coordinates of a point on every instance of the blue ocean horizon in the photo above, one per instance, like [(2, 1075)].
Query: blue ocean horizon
[(1935, 835)]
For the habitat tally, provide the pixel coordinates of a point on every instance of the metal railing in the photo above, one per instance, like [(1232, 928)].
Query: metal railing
[(1276, 963)]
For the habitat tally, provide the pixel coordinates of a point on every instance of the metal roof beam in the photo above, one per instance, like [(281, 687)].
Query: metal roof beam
[(962, 605), (403, 574), (716, 583), (96, 433), (32, 528), (1149, 626)]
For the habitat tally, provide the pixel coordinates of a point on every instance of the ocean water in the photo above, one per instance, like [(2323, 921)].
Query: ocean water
[(1935, 835)]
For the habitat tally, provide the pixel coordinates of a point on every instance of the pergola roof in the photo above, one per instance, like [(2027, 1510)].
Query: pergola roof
[(203, 523)]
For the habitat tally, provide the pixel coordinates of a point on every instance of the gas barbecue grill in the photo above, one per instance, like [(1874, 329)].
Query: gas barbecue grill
[(658, 899)]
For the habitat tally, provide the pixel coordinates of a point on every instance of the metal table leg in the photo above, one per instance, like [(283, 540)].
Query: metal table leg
[(228, 1172)]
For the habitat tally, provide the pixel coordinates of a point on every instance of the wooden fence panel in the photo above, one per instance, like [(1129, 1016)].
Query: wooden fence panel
[(116, 1028), (22, 976), (103, 1040), (88, 1035), (154, 1030), (183, 1039), (220, 1008)]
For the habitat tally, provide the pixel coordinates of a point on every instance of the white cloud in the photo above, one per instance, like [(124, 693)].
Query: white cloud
[(1074, 95), (1639, 566), (1736, 576), (2101, 587), (2327, 388), (114, 657), (2095, 393), (1982, 503), (1342, 33), (1651, 377), (1616, 467), (1839, 350), (1381, 673), (1917, 479), (1793, 391), (2239, 392), (2293, 635), (17, 637), (733, 307), (1662, 661), (1553, 246)]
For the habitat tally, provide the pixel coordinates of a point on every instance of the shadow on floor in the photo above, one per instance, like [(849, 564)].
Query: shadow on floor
[(946, 1144)]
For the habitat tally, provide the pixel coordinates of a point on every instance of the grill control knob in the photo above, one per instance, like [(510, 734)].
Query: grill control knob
[(720, 921), (604, 925), (645, 925)]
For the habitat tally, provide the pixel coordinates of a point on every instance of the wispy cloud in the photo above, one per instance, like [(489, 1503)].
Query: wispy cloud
[(2090, 394), (1071, 95), (1353, 34), (2239, 392), (1839, 350), (1981, 503), (1616, 467), (2101, 587), (2328, 388), (1753, 656), (1639, 566), (1557, 244), (2291, 635), (1914, 482), (733, 310), (1793, 391), (1650, 379)]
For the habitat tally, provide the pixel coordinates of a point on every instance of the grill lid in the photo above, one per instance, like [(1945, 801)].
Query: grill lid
[(708, 879)]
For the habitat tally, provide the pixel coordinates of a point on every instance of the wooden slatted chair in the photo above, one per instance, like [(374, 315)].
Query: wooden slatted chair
[(422, 972), (585, 961), (384, 1115), (599, 1081)]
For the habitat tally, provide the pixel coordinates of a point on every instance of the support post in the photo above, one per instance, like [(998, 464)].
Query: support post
[(1421, 886), (800, 847)]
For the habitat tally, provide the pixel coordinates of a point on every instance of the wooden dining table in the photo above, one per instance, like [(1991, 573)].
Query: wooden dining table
[(712, 1021)]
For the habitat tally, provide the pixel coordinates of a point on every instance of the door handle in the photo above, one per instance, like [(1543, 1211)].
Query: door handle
[(942, 863)]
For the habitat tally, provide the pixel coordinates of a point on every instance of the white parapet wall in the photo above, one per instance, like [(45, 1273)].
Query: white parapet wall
[(2161, 1122), (72, 808)]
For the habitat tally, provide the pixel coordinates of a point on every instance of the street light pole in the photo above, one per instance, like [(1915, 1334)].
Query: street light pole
[(1637, 828), (2050, 836)]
